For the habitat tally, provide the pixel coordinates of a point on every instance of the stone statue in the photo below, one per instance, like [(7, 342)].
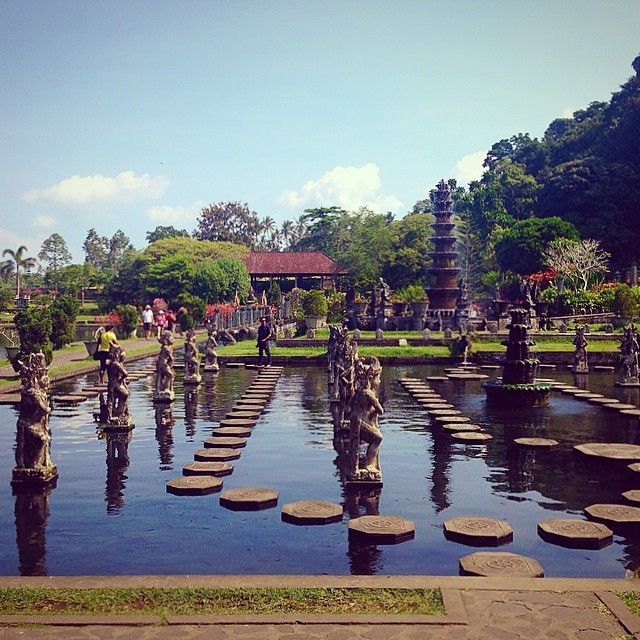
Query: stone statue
[(210, 355), (117, 409), (580, 364), (165, 373), (463, 299), (363, 422), (385, 293), (191, 359), (629, 348), (33, 439)]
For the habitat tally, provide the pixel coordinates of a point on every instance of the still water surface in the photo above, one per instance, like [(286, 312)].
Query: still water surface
[(110, 513)]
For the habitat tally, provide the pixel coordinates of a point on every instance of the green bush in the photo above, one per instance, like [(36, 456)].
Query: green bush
[(34, 329), (625, 301), (63, 311), (129, 318), (314, 304)]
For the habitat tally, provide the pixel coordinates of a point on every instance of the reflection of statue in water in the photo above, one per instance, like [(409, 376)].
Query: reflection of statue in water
[(210, 355), (629, 348), (191, 359), (117, 389), (363, 419), (33, 440), (580, 364), (117, 465), (165, 373)]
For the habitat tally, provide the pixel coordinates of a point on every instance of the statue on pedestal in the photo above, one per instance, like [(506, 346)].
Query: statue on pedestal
[(191, 359), (363, 420), (629, 348), (117, 409), (165, 373), (33, 441), (210, 355), (580, 364)]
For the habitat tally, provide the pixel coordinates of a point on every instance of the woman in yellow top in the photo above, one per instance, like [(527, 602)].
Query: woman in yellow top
[(106, 338)]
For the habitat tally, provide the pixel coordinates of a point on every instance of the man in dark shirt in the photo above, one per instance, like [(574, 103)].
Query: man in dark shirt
[(264, 335)]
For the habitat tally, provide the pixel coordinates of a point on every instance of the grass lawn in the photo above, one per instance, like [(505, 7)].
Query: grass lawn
[(632, 600), (202, 600)]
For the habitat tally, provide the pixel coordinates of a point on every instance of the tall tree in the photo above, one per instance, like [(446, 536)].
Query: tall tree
[(96, 249), (161, 232), (20, 261), (230, 222), (55, 253), (119, 245)]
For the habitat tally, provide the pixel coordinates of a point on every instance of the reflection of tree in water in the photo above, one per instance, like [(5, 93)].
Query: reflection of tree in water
[(164, 436), (117, 464), (190, 410), (32, 513)]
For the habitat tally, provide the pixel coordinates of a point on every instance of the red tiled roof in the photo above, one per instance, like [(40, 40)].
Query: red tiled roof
[(277, 263)]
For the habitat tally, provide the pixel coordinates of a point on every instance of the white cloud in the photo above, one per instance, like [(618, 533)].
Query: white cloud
[(347, 187), (10, 240), (175, 216), (43, 222), (82, 190), (469, 168)]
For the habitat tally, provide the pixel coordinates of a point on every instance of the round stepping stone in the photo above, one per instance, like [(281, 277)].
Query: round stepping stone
[(444, 412), (10, 398), (214, 453), (466, 376), (500, 565), (238, 422), (472, 437), (568, 390), (610, 450), (69, 399), (603, 367), (381, 529), (631, 413), (451, 419), (256, 402), (579, 534), (239, 415), (311, 512), (603, 400), (588, 396), (215, 468), (457, 426), (614, 513), (234, 432), (252, 408), (249, 499), (440, 407), (632, 496), (478, 531), (234, 365), (619, 406), (226, 442), (536, 443), (634, 468), (194, 485), (437, 378), (490, 366)]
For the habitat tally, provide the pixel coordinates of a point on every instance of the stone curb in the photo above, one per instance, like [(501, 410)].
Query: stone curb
[(82, 620), (619, 609)]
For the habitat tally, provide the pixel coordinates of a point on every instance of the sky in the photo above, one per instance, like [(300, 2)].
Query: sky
[(130, 114)]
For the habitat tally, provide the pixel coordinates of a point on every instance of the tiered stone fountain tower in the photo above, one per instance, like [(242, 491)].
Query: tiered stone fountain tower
[(518, 386), (443, 295)]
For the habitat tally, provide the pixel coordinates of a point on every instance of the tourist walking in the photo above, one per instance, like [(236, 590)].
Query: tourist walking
[(147, 321), (160, 322), (106, 337), (265, 333)]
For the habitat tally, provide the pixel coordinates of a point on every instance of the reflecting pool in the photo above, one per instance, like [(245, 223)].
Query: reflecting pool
[(110, 513)]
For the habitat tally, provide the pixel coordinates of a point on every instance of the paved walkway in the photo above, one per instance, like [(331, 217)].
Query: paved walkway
[(476, 609)]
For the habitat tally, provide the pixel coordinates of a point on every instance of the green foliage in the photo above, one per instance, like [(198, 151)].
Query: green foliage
[(625, 301), (195, 306), (336, 307), (170, 277), (238, 278), (34, 329), (274, 294), (521, 247), (314, 303), (412, 293), (198, 250), (185, 320), (6, 297), (161, 232), (129, 318), (63, 310), (210, 282)]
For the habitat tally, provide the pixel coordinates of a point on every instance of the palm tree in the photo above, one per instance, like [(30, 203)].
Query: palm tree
[(19, 261)]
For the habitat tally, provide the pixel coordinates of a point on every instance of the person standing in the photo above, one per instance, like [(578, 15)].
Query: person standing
[(160, 322), (265, 334), (147, 321), (105, 338)]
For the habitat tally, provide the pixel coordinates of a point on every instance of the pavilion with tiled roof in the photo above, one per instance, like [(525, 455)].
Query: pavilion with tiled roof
[(295, 266)]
